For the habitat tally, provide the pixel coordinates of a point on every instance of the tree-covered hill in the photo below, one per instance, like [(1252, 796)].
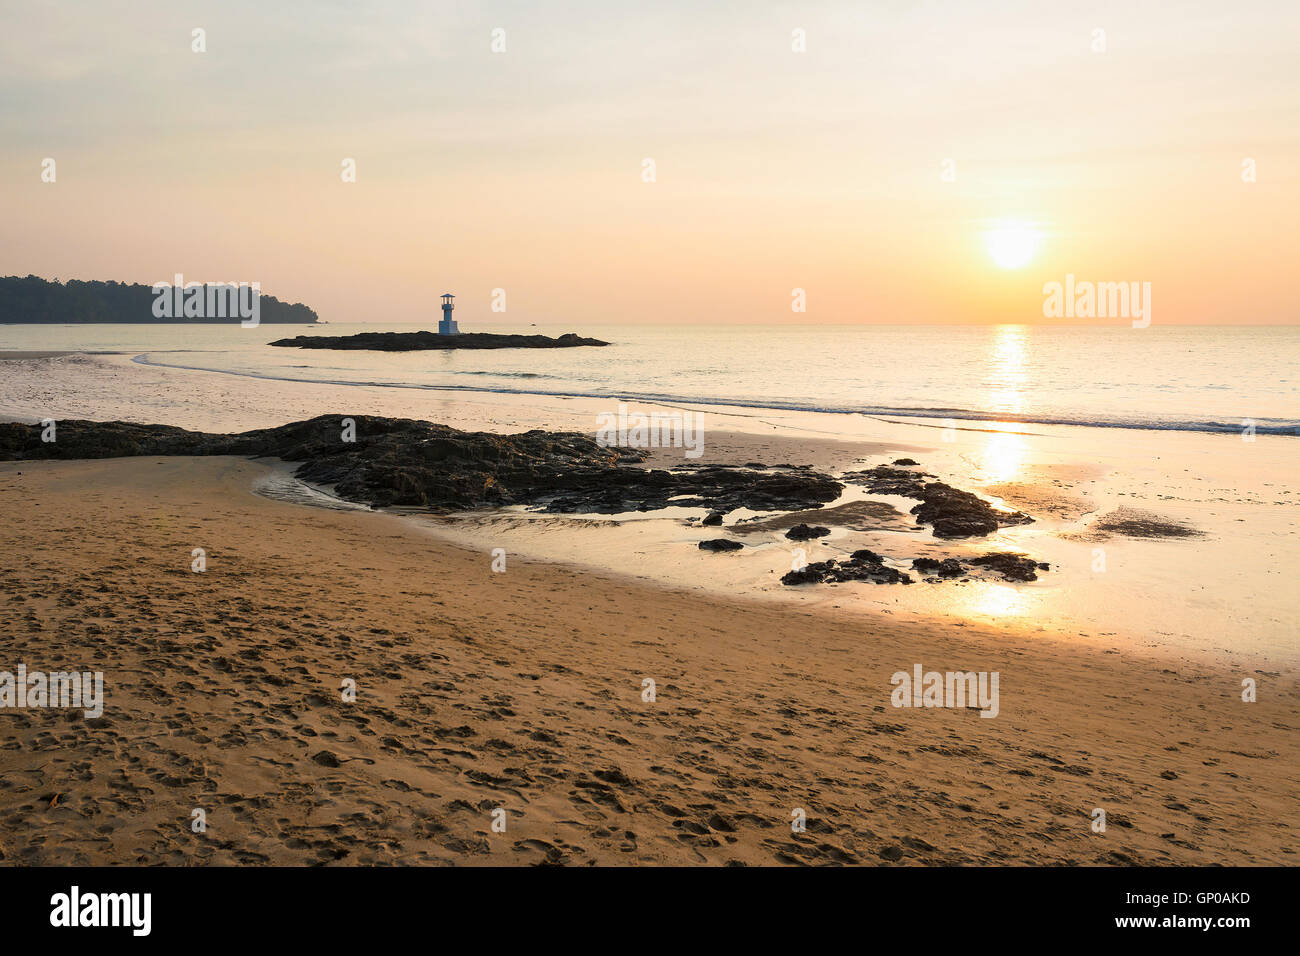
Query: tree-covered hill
[(33, 300)]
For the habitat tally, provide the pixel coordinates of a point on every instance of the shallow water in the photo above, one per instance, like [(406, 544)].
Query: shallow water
[(1191, 378), (1226, 593)]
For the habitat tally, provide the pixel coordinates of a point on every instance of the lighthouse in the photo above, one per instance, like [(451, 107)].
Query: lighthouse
[(447, 325)]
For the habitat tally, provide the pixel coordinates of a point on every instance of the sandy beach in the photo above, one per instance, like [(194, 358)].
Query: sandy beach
[(523, 691), (440, 442), (1219, 597)]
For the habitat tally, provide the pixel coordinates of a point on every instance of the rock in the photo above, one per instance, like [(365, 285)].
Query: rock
[(1012, 567), (947, 568), (722, 489), (891, 853), (720, 544), (866, 565), (950, 512), (805, 575), (430, 341), (883, 480), (712, 518), (326, 759), (906, 461), (857, 568), (803, 532), (398, 461)]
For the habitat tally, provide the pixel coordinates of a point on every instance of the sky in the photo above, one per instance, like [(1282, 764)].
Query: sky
[(868, 171)]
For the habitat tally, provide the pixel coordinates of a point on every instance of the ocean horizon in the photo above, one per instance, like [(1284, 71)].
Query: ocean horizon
[(1216, 379)]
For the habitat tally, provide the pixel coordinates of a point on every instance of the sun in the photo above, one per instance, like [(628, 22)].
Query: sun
[(1012, 244)]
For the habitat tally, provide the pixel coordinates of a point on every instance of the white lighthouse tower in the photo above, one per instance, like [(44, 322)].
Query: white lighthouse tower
[(447, 325)]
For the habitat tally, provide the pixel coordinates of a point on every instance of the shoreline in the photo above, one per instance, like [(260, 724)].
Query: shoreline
[(1220, 597), (933, 418), (916, 417), (475, 695)]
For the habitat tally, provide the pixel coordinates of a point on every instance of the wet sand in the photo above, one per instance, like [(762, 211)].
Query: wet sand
[(1220, 596), (23, 355), (522, 691)]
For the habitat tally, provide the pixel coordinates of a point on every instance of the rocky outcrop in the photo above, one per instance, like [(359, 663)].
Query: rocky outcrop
[(865, 565), (947, 568), (804, 532), (716, 488), (953, 513), (720, 544), (950, 512), (397, 461), (1011, 566), (429, 341), (862, 566)]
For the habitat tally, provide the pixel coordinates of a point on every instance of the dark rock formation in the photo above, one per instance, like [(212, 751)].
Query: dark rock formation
[(712, 519), (1012, 567), (425, 341), (947, 568), (865, 565), (906, 462), (950, 512), (803, 532), (397, 461), (720, 544), (884, 480), (953, 513), (720, 489), (808, 574), (865, 515), (857, 568)]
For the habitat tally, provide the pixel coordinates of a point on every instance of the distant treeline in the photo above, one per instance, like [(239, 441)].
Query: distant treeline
[(34, 300)]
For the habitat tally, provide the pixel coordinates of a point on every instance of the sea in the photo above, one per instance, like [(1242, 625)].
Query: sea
[(1201, 378)]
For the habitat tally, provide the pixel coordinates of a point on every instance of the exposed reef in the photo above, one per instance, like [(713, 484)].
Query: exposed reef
[(865, 565), (950, 512), (401, 462), (720, 544), (429, 341), (861, 566)]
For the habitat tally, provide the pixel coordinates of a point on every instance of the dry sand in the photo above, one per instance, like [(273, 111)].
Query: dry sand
[(522, 690)]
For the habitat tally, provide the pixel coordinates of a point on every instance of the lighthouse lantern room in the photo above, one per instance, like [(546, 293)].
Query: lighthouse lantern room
[(447, 325)]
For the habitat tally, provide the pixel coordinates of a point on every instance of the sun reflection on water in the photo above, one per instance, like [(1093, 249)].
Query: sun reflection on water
[(1008, 377), (1003, 456), (999, 600)]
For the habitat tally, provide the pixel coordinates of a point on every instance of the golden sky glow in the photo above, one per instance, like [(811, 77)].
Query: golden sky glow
[(869, 171)]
